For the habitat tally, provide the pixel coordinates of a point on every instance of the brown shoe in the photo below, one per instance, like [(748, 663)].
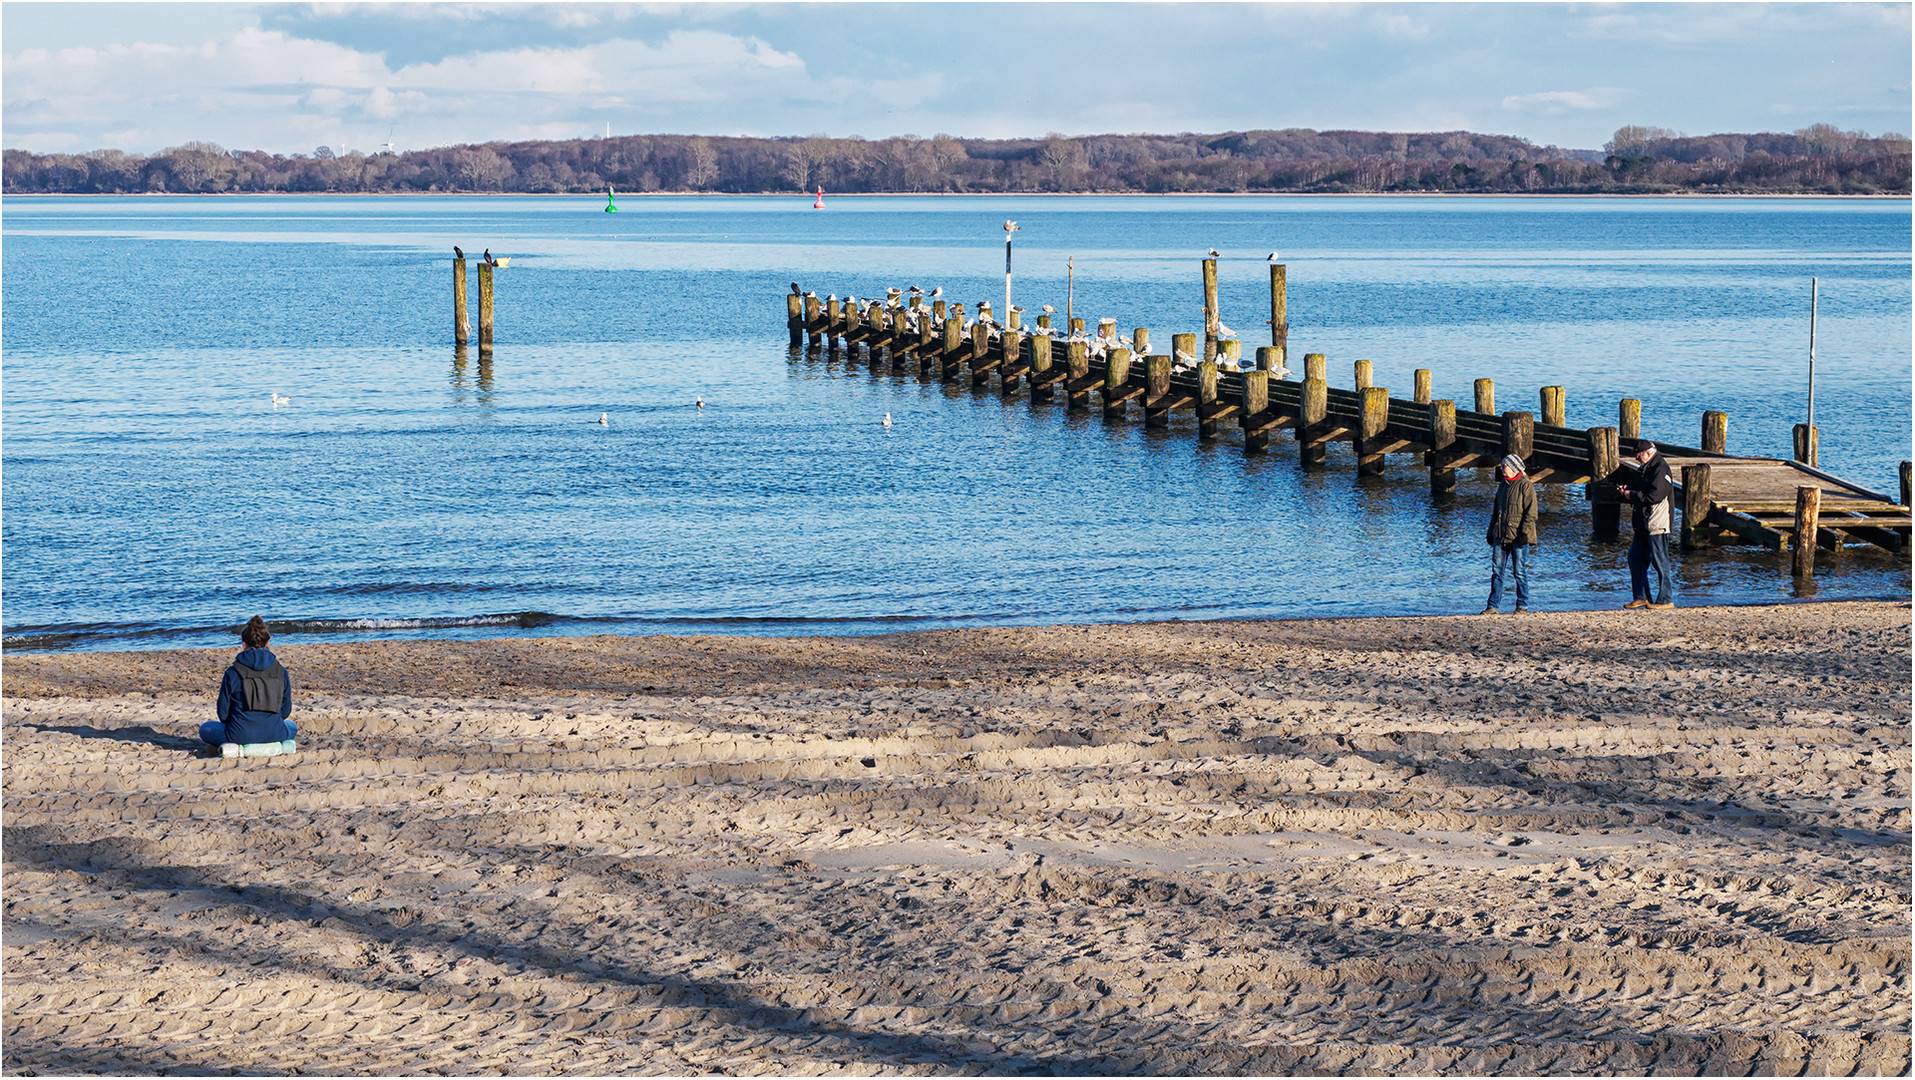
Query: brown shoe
[(1662, 607), (1487, 611), (1635, 604)]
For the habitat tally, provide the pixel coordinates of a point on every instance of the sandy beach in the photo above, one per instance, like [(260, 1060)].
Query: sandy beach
[(1567, 843)]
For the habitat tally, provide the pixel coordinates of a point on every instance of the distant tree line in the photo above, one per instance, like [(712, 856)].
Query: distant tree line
[(1638, 160)]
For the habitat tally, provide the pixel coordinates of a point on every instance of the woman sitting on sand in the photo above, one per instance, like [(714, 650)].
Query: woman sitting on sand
[(255, 697)]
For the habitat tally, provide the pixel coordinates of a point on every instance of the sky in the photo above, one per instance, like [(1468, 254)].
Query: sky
[(289, 78)]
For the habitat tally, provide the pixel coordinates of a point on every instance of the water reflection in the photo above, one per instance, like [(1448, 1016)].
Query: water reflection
[(461, 361)]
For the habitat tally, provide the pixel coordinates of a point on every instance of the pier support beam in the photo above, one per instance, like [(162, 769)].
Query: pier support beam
[(1279, 314), (1422, 391), (1206, 397), (1156, 389), (1077, 384), (1808, 511), (1605, 457), (1256, 399), (1697, 501), (1041, 374), (1315, 408), (485, 309), (1442, 437), (1365, 375), (1519, 434), (813, 322), (951, 355), (795, 319), (1373, 419), (1117, 388), (1212, 319), (461, 316)]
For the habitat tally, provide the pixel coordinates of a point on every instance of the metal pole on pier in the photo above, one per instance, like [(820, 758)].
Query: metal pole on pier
[(1814, 298), (1009, 228), (1070, 288)]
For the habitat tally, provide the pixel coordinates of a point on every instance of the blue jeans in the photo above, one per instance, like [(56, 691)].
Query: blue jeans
[(1645, 550), (1516, 557), (213, 732)]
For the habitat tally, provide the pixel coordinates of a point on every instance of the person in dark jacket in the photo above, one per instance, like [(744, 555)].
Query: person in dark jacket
[(1650, 496), (255, 696), (1512, 529)]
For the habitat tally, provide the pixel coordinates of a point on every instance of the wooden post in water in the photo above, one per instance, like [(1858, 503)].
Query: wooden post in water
[(1269, 358), (1808, 511), (812, 313), (1012, 342), (1230, 352), (1519, 434), (937, 310), (1316, 366), (1422, 391), (928, 342), (794, 318), (1555, 406), (1014, 318), (1156, 385), (1605, 457), (485, 309), (1365, 375), (1040, 365), (1256, 399), (1212, 319), (1140, 341), (1905, 491), (980, 352), (1116, 375), (1486, 396), (1715, 432), (832, 317), (1696, 504), (461, 317), (1044, 321), (1374, 418), (1077, 326), (1315, 406), (1629, 419), (1279, 314), (1206, 396), (1442, 437), (1077, 363), (951, 354), (1807, 443)]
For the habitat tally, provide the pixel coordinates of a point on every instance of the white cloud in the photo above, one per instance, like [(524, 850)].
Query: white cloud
[(1557, 102)]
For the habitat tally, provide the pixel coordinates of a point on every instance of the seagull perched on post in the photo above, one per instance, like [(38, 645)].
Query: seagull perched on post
[(1273, 256), (937, 292), (1049, 310), (458, 252), (794, 289), (1215, 254)]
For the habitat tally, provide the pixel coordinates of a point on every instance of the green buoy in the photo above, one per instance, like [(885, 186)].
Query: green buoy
[(611, 203)]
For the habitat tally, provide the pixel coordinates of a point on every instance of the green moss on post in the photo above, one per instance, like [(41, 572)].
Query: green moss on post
[(1116, 380), (1156, 387)]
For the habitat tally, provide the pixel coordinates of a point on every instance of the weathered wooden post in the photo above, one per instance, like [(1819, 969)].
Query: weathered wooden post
[(1807, 444), (1696, 504), (812, 312), (1312, 411), (1373, 419), (1715, 432), (1140, 341), (833, 316), (1077, 327), (1040, 368), (980, 353), (1206, 397), (929, 331), (1555, 406), (1077, 386), (794, 317), (1280, 314), (1116, 376), (1012, 342), (1519, 434), (1905, 491), (1014, 318), (1442, 437), (1316, 366), (1156, 386), (952, 353), (1629, 419), (1605, 457), (1230, 351), (937, 310), (461, 317), (1808, 511), (1422, 391), (1212, 319), (1044, 321), (1486, 396), (1256, 399), (485, 309), (1269, 358), (1365, 375)]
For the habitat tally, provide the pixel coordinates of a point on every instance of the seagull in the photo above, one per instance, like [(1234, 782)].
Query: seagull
[(887, 420), (458, 251), (1225, 331), (1215, 254), (832, 299), (937, 292), (1273, 256), (794, 289), (1049, 310), (701, 402), (278, 401), (915, 291), (603, 421), (811, 296)]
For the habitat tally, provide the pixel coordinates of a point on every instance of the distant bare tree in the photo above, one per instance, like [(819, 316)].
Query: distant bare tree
[(703, 165)]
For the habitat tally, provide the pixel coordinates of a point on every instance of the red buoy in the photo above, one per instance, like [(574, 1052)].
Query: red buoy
[(820, 204)]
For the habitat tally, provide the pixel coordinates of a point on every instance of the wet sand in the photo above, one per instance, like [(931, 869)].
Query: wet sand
[(1571, 843)]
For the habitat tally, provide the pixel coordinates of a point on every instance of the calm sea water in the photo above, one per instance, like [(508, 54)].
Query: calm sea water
[(153, 496)]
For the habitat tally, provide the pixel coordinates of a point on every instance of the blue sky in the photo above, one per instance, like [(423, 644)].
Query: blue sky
[(288, 78)]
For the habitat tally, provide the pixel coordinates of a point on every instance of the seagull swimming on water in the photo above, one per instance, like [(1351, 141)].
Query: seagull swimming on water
[(278, 401), (701, 402), (887, 420), (604, 420)]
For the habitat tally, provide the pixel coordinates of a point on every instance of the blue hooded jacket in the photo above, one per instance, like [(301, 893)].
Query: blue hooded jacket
[(242, 724)]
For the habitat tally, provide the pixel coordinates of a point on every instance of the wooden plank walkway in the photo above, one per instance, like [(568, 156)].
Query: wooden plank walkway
[(1724, 499)]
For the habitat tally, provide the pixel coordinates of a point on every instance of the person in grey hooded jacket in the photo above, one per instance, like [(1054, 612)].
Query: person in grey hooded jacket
[(255, 695)]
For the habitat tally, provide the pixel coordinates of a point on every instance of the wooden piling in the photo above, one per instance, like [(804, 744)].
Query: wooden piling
[(1807, 443), (1696, 504), (1519, 434), (1905, 491), (1808, 511), (1206, 397), (813, 323), (1012, 343), (1365, 375), (1212, 318), (1269, 358), (980, 352), (1316, 366), (1230, 352), (795, 318), (938, 310), (1156, 388), (1014, 318), (1486, 396), (929, 339), (1422, 391), (1605, 457), (1370, 424), (833, 315), (1442, 437), (1629, 419), (461, 317), (1041, 376), (1279, 314), (1555, 406), (1140, 341), (485, 308), (1314, 408), (1116, 382), (1077, 384), (1715, 432), (950, 355), (1256, 399), (1076, 326)]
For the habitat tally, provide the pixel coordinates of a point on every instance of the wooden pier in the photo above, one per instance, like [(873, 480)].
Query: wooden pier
[(1723, 499)]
